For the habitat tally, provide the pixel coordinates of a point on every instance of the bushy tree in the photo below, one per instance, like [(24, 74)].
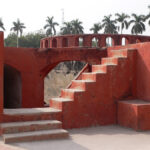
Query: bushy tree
[(28, 40)]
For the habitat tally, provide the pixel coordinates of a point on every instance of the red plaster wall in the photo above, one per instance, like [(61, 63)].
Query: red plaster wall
[(34, 64), (127, 115), (132, 115), (142, 67)]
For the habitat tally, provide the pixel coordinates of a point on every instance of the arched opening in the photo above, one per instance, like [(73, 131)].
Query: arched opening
[(64, 42), (124, 41), (60, 77), (46, 43), (54, 43), (109, 41), (12, 87), (95, 42), (80, 41)]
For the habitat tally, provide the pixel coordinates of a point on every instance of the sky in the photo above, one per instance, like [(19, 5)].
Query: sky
[(33, 13)]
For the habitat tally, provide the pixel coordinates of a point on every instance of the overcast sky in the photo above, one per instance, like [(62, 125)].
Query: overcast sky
[(33, 13)]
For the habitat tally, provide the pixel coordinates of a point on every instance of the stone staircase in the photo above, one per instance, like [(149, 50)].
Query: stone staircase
[(42, 127), (92, 100)]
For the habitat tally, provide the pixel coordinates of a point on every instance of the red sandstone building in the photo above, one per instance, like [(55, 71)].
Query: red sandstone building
[(113, 88)]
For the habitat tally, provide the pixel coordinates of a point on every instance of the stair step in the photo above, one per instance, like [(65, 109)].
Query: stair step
[(15, 127), (110, 60), (30, 111), (103, 68), (92, 75), (35, 135), (58, 102), (31, 114), (60, 99), (69, 93), (80, 84), (119, 53), (99, 68)]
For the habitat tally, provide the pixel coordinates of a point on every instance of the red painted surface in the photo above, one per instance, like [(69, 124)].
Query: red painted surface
[(35, 64), (113, 76), (142, 69), (101, 89), (73, 40), (134, 115)]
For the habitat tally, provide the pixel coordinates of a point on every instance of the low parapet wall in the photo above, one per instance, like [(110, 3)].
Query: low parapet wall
[(87, 40)]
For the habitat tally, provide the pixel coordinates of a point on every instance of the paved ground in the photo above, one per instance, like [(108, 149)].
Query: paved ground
[(95, 138)]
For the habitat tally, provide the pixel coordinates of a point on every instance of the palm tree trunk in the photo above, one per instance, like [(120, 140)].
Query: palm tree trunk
[(17, 39)]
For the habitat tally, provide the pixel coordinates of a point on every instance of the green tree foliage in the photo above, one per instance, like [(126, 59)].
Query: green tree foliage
[(18, 28), (72, 27), (50, 26), (77, 27), (2, 24), (96, 28), (109, 25), (138, 24), (67, 28), (121, 18), (29, 40), (11, 40)]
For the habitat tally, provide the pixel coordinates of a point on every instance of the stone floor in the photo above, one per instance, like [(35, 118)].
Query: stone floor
[(95, 138)]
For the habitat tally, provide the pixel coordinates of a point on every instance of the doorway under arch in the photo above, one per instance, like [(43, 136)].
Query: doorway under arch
[(12, 88)]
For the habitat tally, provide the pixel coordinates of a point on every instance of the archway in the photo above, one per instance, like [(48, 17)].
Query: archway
[(12, 87), (80, 41), (95, 42), (54, 43), (60, 77), (109, 41), (64, 42), (124, 41)]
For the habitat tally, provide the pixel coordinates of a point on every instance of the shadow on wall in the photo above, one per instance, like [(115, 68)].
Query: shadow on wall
[(12, 87)]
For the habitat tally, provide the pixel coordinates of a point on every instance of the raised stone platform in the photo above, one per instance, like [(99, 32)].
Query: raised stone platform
[(134, 114)]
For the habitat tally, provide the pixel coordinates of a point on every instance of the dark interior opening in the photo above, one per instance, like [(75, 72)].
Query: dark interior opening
[(12, 87)]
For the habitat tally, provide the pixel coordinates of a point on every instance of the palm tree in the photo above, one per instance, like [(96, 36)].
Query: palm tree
[(50, 26), (67, 28), (18, 28), (138, 24), (77, 27), (2, 25), (96, 28), (121, 18), (109, 25)]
